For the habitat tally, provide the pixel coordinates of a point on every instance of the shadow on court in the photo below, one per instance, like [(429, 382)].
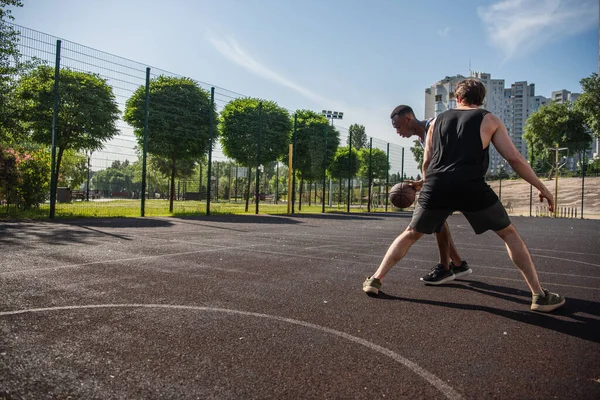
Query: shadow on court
[(582, 327)]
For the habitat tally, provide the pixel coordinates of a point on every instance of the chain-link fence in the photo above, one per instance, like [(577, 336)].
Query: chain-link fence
[(101, 135)]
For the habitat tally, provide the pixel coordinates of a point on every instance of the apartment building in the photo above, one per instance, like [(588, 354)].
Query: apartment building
[(512, 105), (440, 96)]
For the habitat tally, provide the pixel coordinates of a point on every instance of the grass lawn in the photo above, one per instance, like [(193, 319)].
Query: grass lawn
[(160, 208)]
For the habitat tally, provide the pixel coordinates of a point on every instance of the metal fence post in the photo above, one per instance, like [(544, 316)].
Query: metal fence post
[(582, 180), (387, 177), (370, 174), (210, 146), (294, 164), (324, 171), (257, 188), (349, 168), (531, 186), (145, 148), (53, 177), (402, 169)]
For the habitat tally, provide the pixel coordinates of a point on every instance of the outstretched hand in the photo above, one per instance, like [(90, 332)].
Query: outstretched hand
[(548, 196), (417, 185)]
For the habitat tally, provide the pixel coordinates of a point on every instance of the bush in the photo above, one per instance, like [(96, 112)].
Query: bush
[(25, 177)]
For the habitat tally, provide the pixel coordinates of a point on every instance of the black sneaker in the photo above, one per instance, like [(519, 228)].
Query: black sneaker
[(438, 275), (461, 270)]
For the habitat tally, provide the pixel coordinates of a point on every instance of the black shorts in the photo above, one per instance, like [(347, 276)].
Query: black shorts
[(429, 221)]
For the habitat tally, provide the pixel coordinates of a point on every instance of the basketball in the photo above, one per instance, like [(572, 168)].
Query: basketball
[(402, 195)]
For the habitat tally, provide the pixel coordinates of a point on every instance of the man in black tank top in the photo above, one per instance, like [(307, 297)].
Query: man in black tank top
[(454, 165)]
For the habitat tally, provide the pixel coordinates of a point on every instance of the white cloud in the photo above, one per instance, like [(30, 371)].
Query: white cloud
[(444, 32), (522, 26), (231, 50)]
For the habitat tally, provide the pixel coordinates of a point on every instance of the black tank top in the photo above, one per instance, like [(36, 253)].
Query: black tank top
[(455, 176)]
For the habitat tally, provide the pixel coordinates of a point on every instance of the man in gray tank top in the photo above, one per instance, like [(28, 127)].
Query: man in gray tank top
[(454, 165)]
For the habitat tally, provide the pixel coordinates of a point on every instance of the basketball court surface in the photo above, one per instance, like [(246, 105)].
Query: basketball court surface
[(271, 307)]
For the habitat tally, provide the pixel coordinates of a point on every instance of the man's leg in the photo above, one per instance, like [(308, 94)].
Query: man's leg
[(542, 300), (443, 243), (442, 272), (519, 254), (458, 265), (395, 253)]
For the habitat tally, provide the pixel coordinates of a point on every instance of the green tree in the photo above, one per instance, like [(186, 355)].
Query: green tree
[(74, 169), (87, 115), (9, 66), (35, 183), (357, 133), (345, 166), (379, 164), (589, 102), (311, 129), (178, 121), (24, 176), (556, 125), (239, 127), (119, 177), (418, 153)]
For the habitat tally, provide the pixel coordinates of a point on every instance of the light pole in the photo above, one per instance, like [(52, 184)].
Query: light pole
[(330, 115)]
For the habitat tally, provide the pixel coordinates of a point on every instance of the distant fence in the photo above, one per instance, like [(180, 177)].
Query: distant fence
[(110, 181), (98, 178)]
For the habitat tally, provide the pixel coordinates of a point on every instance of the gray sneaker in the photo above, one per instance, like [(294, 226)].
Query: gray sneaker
[(371, 285), (460, 270), (550, 302)]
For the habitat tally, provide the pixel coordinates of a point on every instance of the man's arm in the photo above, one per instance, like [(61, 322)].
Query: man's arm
[(428, 149), (417, 185), (507, 149)]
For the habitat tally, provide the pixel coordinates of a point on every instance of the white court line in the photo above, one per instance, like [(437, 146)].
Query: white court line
[(433, 380), (424, 261), (435, 262), (343, 240), (118, 260)]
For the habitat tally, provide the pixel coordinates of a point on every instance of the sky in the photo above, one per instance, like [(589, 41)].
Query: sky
[(359, 57)]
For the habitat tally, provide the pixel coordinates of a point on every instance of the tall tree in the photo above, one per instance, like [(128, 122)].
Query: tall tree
[(311, 129), (589, 102), (556, 125), (358, 135), (87, 114), (178, 121), (239, 126), (9, 66), (345, 166)]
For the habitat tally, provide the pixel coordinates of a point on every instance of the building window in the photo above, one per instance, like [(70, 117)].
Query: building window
[(438, 97)]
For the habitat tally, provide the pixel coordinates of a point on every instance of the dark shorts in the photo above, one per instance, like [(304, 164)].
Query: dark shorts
[(429, 221)]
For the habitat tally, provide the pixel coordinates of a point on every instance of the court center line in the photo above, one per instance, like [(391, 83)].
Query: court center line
[(433, 380)]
